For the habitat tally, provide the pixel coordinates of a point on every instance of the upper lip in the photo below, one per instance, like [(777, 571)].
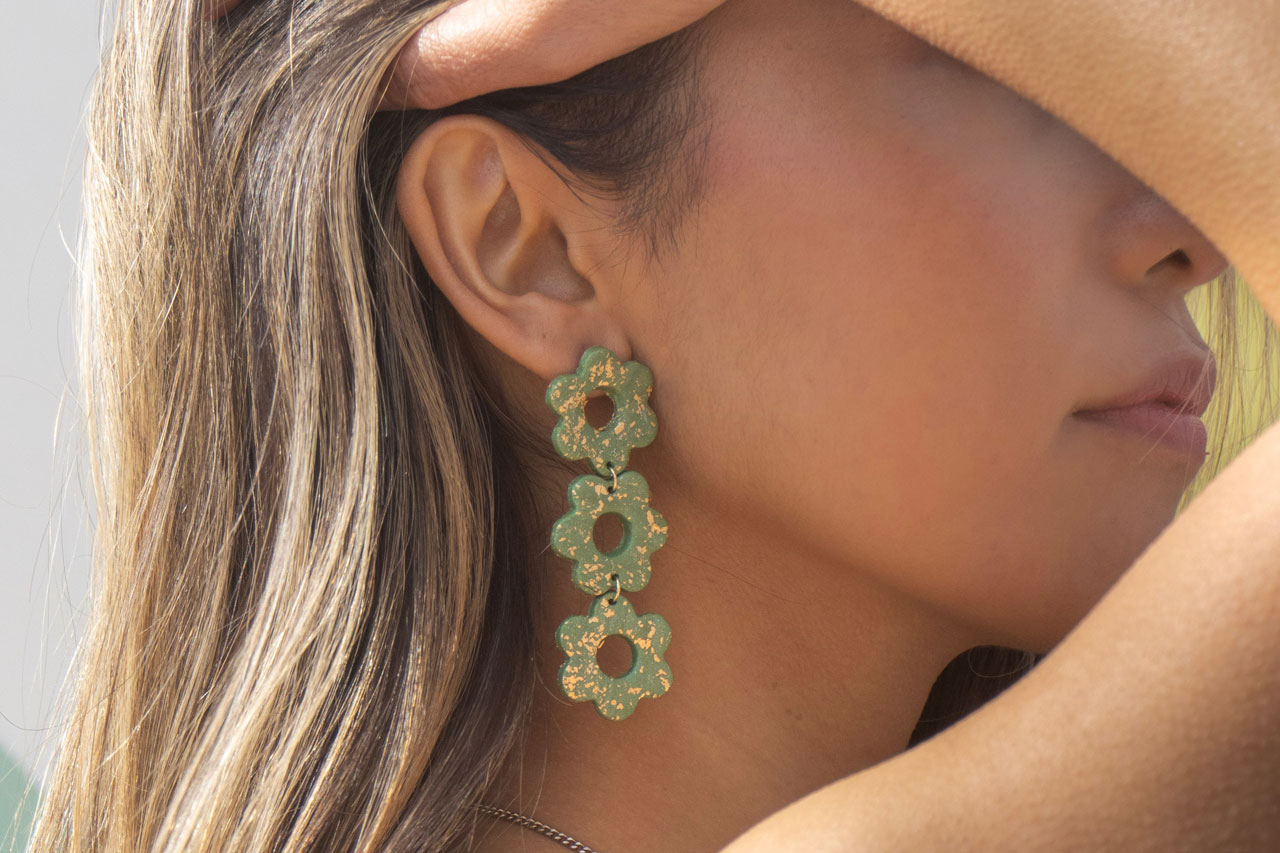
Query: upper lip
[(1185, 381)]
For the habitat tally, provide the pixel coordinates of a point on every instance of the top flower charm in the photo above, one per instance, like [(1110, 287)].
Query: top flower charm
[(633, 424)]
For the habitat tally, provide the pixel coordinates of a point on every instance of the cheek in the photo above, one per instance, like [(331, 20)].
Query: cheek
[(872, 359), (891, 302)]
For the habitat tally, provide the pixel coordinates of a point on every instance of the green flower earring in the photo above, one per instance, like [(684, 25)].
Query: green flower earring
[(606, 574)]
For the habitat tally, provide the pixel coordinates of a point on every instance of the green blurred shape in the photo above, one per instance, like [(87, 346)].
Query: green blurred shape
[(17, 806)]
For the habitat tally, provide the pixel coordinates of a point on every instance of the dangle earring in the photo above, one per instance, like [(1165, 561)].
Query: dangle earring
[(606, 574)]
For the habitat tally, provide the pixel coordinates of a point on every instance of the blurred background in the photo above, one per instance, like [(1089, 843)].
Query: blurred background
[(48, 50)]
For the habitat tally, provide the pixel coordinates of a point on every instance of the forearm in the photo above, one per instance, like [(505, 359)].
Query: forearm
[(1186, 96)]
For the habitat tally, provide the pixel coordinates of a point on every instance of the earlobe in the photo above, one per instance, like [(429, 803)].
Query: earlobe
[(503, 238)]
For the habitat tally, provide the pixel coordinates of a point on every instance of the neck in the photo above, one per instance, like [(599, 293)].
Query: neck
[(788, 673)]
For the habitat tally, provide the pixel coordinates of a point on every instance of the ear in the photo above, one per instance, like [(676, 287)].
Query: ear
[(518, 253)]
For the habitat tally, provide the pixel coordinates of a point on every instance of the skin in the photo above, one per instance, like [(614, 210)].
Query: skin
[(868, 346)]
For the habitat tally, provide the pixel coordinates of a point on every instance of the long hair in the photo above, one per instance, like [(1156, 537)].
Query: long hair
[(311, 595)]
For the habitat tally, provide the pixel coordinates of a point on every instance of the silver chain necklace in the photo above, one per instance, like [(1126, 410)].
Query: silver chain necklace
[(536, 826)]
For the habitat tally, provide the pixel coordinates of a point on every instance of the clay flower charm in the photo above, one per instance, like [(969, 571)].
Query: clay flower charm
[(644, 531), (633, 424), (581, 678)]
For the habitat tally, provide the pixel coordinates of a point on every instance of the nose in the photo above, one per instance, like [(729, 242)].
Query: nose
[(1153, 246)]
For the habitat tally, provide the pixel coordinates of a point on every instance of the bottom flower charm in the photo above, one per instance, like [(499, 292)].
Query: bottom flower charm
[(580, 637)]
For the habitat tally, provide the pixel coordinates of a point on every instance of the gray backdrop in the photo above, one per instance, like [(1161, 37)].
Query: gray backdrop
[(48, 50)]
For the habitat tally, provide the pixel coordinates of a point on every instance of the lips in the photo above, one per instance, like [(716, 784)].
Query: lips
[(1164, 407), (1157, 424)]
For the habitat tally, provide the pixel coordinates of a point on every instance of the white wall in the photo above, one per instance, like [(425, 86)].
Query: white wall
[(48, 50)]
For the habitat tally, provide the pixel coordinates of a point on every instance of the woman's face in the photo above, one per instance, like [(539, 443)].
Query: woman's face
[(902, 281)]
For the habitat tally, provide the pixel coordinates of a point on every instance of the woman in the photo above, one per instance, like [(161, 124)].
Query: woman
[(879, 294)]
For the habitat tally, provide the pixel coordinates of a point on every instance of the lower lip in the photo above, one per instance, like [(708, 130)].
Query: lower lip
[(1158, 424)]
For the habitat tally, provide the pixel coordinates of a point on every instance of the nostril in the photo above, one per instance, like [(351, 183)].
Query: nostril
[(1178, 258)]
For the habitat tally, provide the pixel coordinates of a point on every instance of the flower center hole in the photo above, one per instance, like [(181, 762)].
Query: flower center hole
[(608, 533), (599, 410), (614, 656)]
